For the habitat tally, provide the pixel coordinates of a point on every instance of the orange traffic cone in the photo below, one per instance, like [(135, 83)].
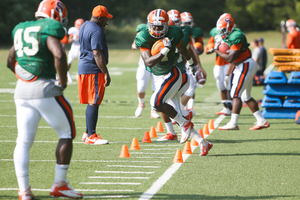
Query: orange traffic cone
[(135, 144), (206, 130), (146, 138), (187, 148), (159, 127), (200, 131), (211, 124), (178, 157), (153, 132), (124, 152), (194, 142)]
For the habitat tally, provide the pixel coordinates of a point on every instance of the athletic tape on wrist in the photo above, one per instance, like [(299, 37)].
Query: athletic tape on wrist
[(190, 61)]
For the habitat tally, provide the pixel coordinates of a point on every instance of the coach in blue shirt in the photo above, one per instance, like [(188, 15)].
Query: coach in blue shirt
[(93, 76)]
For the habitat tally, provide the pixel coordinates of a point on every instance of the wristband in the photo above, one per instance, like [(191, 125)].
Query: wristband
[(164, 51), (190, 61)]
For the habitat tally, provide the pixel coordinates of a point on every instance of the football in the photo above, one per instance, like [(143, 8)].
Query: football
[(199, 47), (224, 47), (201, 79), (157, 47)]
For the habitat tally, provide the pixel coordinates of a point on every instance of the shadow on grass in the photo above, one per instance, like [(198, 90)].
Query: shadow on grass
[(162, 196)]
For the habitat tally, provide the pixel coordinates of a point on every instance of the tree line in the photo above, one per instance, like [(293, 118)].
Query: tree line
[(249, 15)]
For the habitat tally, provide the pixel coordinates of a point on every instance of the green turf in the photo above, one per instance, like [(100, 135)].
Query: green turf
[(243, 164)]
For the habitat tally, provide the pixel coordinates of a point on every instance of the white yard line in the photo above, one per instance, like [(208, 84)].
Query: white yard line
[(124, 172), (108, 183), (96, 161), (133, 166), (159, 183), (81, 190), (118, 177)]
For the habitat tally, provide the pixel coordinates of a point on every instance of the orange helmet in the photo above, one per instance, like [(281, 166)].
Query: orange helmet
[(53, 9), (174, 17), (225, 25), (78, 23), (187, 19), (158, 18), (290, 23)]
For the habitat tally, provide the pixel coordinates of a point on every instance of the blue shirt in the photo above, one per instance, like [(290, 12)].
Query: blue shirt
[(91, 37)]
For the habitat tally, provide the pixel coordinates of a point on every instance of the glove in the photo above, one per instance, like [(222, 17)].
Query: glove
[(167, 42), (216, 47), (226, 81), (193, 69), (218, 38)]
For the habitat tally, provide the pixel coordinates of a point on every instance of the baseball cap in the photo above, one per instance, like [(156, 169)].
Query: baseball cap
[(101, 11), (260, 39)]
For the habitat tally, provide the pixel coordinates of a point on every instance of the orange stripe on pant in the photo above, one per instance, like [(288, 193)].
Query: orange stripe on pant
[(241, 79), (69, 113)]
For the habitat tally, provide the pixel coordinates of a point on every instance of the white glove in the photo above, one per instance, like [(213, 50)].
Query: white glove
[(226, 81), (218, 38), (193, 69), (217, 46), (167, 42)]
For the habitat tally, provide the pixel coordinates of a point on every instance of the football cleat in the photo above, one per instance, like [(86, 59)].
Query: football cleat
[(63, 189), (204, 148), (139, 110), (84, 136), (154, 114), (186, 129), (209, 146), (190, 115), (229, 126), (168, 136), (224, 111), (27, 195), (95, 139), (257, 125)]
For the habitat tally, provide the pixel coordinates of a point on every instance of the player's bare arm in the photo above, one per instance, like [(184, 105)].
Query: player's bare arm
[(101, 63), (60, 59), (230, 57), (11, 60), (149, 60), (192, 50)]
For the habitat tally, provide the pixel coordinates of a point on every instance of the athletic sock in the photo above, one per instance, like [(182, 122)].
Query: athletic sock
[(141, 100), (234, 118), (259, 116), (91, 118), (170, 128), (60, 173), (196, 136), (190, 104), (179, 119)]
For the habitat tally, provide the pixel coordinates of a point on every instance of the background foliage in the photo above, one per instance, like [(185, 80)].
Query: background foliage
[(249, 15)]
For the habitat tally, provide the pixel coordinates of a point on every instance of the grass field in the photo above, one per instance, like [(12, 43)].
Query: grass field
[(242, 164)]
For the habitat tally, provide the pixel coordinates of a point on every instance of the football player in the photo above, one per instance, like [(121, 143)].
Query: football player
[(39, 55), (197, 39), (73, 37), (293, 37), (244, 68), (142, 78), (168, 77), (187, 88), (220, 70)]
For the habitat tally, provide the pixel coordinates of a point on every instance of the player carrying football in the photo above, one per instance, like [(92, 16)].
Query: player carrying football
[(244, 69), (168, 77)]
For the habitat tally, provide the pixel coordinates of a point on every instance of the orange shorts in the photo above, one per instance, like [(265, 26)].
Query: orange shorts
[(91, 88)]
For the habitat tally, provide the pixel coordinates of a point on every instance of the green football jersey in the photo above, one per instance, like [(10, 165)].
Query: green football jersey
[(236, 37), (179, 59), (141, 27), (30, 42), (145, 40), (197, 33), (213, 32)]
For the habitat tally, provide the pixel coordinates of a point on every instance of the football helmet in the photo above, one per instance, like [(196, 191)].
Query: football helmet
[(174, 17), (187, 19), (53, 9), (290, 23), (225, 25), (158, 23), (78, 23)]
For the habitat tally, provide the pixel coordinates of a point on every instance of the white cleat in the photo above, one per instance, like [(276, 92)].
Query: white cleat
[(229, 126), (154, 114)]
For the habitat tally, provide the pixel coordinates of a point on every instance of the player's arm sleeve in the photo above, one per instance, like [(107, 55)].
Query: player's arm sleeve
[(97, 39)]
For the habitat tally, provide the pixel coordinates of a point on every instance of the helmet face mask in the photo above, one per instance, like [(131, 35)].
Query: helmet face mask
[(53, 9), (158, 23)]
